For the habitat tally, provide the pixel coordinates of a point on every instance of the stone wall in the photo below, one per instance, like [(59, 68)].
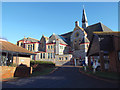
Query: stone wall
[(79, 53), (63, 60)]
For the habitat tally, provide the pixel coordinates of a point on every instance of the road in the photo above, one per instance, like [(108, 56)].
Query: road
[(63, 77)]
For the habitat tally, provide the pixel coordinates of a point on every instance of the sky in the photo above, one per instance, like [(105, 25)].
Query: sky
[(33, 19)]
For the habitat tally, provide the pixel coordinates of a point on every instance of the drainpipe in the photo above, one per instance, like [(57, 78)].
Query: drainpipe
[(75, 61)]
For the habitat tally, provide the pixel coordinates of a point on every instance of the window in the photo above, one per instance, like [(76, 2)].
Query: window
[(51, 55), (21, 44), (54, 55), (33, 46), (61, 47), (48, 55), (77, 34), (48, 47), (65, 58), (43, 55), (28, 47), (59, 58), (33, 57), (51, 47), (119, 55)]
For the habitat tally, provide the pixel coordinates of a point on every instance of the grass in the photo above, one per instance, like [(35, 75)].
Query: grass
[(44, 71), (106, 75), (109, 75)]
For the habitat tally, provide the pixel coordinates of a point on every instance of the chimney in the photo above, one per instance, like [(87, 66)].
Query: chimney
[(77, 23)]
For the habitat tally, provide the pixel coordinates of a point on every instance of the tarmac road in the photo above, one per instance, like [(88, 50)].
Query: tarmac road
[(63, 77)]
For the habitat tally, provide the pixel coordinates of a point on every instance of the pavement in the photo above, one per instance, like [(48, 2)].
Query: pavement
[(63, 77)]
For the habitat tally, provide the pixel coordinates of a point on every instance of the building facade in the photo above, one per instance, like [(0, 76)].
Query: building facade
[(71, 46)]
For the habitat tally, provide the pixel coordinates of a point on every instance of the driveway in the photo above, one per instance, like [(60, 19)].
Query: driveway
[(63, 77)]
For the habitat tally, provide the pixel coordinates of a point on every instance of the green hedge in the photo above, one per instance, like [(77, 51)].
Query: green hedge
[(40, 62)]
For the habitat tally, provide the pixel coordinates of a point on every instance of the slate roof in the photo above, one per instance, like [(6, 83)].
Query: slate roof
[(67, 37), (66, 34), (7, 46), (98, 27), (62, 40), (30, 39)]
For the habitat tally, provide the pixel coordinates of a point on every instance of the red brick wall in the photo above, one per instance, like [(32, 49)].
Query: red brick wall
[(7, 72)]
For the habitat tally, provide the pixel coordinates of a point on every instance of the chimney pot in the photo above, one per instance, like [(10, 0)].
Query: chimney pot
[(77, 23)]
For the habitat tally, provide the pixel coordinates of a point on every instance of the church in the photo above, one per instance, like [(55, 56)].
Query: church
[(66, 48)]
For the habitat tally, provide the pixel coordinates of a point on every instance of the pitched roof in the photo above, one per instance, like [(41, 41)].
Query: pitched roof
[(66, 34), (98, 27), (62, 40), (67, 37), (31, 39), (102, 41), (7, 46)]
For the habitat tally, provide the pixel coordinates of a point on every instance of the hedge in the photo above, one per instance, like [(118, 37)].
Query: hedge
[(40, 62)]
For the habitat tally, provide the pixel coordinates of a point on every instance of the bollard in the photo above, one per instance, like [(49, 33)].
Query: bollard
[(94, 70), (85, 68)]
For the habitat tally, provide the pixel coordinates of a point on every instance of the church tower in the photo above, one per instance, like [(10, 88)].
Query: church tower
[(84, 20)]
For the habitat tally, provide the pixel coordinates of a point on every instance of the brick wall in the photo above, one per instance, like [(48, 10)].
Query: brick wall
[(7, 72), (23, 60)]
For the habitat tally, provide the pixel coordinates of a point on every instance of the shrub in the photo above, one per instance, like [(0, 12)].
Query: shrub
[(40, 62), (39, 65)]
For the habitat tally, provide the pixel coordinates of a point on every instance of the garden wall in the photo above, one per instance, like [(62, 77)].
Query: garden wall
[(8, 72)]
